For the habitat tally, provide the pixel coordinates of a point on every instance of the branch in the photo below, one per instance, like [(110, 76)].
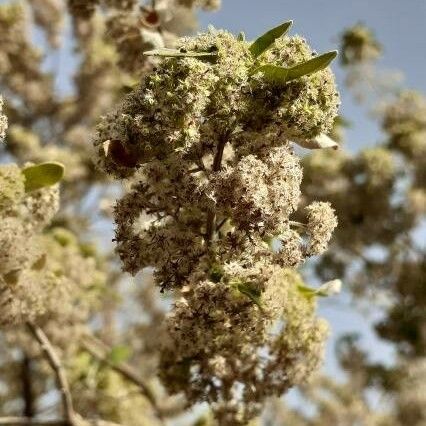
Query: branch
[(27, 388), (217, 164), (27, 421), (99, 350), (55, 363)]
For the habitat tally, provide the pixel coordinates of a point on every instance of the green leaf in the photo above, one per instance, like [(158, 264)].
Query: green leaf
[(119, 354), (251, 291), (330, 288), (307, 291), (181, 53), (216, 272), (313, 65), (42, 175), (273, 73), (265, 41)]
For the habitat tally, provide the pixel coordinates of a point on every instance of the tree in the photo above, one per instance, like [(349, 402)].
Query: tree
[(187, 145)]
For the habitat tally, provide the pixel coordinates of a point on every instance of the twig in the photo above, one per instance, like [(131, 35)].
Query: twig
[(55, 364), (26, 421), (99, 350), (27, 386), (195, 170), (217, 164), (297, 224), (221, 223)]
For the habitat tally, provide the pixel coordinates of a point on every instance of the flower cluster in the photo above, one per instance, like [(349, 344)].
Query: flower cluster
[(135, 28), (206, 144), (404, 120), (221, 347), (37, 269), (23, 217), (358, 45), (21, 73)]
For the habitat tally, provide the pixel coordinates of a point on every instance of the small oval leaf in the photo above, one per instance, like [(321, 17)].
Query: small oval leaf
[(313, 65), (322, 141), (42, 175), (330, 288), (273, 73), (265, 41), (251, 291)]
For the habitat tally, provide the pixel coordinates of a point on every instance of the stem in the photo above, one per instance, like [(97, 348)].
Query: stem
[(220, 224), (27, 388), (297, 224), (217, 164), (25, 421), (55, 363), (99, 350)]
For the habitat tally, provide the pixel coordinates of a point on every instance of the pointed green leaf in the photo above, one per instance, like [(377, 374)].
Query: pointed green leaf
[(273, 73), (306, 291), (164, 52), (265, 41), (330, 288), (313, 65), (251, 291), (42, 175)]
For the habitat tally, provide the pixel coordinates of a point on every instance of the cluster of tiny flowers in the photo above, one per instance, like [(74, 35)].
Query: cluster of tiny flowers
[(3, 121), (403, 120), (132, 35), (367, 216), (222, 348), (321, 224), (134, 28), (39, 268), (214, 181), (23, 217), (22, 74), (404, 323), (359, 45)]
